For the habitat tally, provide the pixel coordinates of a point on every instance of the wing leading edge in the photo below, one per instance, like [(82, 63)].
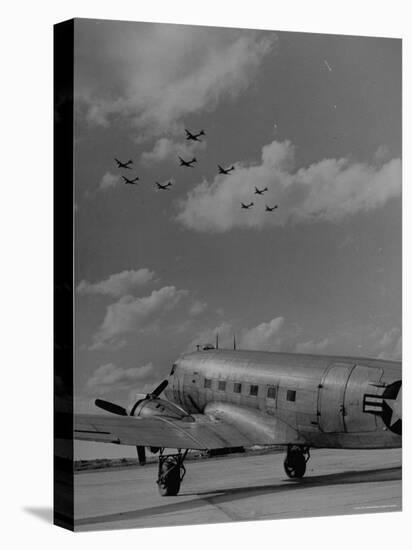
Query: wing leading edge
[(220, 427)]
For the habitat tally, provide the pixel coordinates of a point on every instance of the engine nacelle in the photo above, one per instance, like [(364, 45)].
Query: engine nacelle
[(154, 406)]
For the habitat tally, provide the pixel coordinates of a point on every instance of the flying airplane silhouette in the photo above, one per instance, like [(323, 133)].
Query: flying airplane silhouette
[(164, 187), (123, 164), (225, 170), (246, 206), (194, 137), (132, 182), (270, 208), (260, 191), (245, 398), (188, 163)]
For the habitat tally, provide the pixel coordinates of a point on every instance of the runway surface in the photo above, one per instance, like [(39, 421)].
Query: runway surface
[(241, 488)]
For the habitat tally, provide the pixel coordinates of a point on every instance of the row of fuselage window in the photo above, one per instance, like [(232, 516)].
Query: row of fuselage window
[(253, 389)]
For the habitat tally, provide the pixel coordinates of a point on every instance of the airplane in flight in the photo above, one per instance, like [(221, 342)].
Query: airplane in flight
[(194, 137), (132, 182), (123, 164), (220, 398), (247, 206), (260, 191), (164, 187), (270, 208), (187, 163), (225, 171)]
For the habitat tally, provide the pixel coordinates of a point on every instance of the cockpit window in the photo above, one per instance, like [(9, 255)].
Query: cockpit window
[(291, 395)]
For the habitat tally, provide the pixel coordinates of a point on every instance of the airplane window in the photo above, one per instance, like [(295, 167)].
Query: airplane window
[(237, 388), (271, 392), (222, 385), (291, 395), (254, 390), (208, 383)]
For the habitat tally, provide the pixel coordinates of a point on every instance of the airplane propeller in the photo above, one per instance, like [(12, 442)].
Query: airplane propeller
[(121, 411)]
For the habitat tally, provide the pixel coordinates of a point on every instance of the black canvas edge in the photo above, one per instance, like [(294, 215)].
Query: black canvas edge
[(63, 227)]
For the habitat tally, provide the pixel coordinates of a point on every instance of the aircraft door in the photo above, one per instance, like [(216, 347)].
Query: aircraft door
[(363, 381), (331, 396)]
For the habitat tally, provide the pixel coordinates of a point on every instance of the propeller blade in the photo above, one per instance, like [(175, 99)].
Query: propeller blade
[(141, 455), (160, 388), (110, 407)]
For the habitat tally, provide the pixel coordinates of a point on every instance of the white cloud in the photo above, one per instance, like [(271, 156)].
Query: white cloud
[(109, 181), (117, 284), (264, 337), (312, 346), (131, 314), (157, 74), (110, 378), (330, 189), (166, 149), (389, 344)]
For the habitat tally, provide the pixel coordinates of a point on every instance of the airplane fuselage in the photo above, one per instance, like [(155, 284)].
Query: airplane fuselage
[(319, 401)]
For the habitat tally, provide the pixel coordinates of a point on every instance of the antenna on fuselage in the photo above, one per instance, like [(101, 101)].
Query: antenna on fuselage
[(234, 342), (217, 340)]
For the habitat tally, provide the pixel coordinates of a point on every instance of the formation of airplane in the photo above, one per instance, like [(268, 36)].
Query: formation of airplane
[(132, 182), (260, 191), (164, 187), (194, 137), (219, 399), (225, 170), (187, 163), (270, 208), (247, 206), (123, 164)]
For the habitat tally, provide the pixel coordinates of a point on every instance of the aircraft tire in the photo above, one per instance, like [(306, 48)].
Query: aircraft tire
[(169, 480), (295, 465)]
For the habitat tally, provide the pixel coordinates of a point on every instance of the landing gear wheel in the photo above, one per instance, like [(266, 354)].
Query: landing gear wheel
[(169, 478), (171, 473), (295, 461)]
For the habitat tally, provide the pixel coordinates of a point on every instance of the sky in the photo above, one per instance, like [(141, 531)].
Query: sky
[(314, 118)]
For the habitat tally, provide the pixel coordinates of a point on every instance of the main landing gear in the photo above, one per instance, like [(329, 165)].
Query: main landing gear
[(171, 473), (295, 461)]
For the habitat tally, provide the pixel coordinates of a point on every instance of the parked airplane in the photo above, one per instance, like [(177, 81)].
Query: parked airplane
[(188, 163), (225, 170), (123, 164), (221, 398), (194, 137), (260, 191), (164, 187), (270, 208), (246, 206), (132, 182)]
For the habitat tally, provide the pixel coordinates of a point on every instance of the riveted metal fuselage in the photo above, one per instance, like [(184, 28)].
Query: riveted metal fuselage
[(330, 401)]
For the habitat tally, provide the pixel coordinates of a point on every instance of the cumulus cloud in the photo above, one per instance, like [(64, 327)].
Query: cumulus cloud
[(312, 346), (157, 74), (110, 378), (117, 284), (274, 335), (330, 190), (388, 344), (166, 149), (264, 337), (108, 181), (130, 314)]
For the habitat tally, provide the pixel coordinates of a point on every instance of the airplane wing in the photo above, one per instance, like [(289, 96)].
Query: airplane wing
[(221, 427)]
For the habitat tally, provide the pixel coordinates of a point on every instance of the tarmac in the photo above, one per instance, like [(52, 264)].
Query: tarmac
[(239, 488)]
